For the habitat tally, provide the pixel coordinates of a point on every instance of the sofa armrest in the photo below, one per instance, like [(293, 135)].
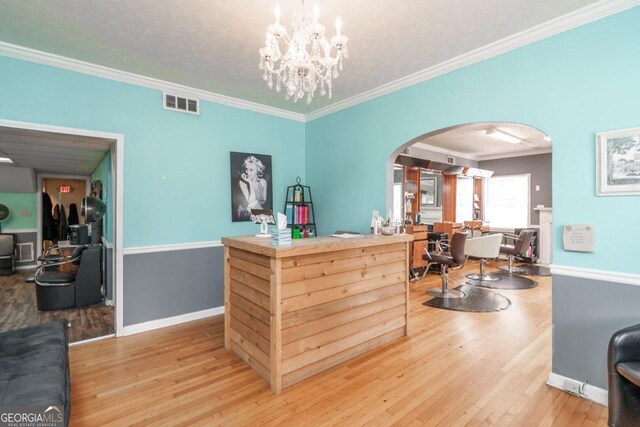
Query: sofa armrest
[(624, 346)]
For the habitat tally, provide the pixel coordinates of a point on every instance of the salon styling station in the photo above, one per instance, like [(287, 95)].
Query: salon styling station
[(292, 312)]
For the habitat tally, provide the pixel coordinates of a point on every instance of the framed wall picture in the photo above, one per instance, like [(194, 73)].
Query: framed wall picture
[(251, 177), (618, 163)]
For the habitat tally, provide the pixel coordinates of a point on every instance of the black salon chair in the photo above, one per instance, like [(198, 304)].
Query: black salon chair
[(56, 289), (522, 242), (624, 377), (8, 254), (453, 259)]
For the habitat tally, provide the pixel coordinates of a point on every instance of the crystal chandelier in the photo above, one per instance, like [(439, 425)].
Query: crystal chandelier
[(308, 59)]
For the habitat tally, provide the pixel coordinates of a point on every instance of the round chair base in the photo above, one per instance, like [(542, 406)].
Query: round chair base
[(483, 278), (451, 293)]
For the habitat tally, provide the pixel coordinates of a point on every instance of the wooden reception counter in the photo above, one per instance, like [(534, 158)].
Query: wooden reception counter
[(294, 311)]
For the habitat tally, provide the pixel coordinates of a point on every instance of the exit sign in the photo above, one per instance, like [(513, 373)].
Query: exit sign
[(66, 189)]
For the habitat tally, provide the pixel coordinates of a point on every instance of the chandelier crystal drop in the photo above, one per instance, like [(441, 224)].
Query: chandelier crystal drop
[(307, 62)]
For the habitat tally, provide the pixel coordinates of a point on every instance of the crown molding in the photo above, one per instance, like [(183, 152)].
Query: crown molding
[(550, 28), (44, 58), (587, 14)]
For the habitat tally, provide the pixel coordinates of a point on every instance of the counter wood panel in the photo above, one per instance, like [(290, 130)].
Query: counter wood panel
[(293, 312)]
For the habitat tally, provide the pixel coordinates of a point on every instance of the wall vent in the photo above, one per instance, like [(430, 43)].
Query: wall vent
[(451, 160), (181, 103), (25, 252)]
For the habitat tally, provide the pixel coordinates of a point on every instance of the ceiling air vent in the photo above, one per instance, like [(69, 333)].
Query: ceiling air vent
[(180, 103)]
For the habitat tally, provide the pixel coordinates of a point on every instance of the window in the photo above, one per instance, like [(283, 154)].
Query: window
[(507, 201), (464, 199)]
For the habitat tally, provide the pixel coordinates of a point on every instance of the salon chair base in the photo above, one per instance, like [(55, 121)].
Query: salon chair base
[(451, 293), (483, 276)]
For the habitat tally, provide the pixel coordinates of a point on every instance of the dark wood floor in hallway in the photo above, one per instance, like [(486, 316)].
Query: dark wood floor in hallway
[(454, 369), (18, 309)]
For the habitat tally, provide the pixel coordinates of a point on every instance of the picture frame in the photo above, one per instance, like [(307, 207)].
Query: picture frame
[(251, 184), (618, 163), (429, 191)]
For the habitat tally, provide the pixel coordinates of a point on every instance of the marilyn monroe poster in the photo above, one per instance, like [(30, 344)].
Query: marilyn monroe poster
[(250, 184)]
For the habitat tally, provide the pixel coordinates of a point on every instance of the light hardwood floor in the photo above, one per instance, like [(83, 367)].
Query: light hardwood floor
[(454, 369)]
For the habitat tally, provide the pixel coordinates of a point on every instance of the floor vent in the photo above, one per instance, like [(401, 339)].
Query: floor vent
[(180, 103), (25, 252)]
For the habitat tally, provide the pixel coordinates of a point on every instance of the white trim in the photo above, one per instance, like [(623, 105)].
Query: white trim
[(602, 275), (106, 244), (582, 16), (117, 151), (169, 248), (590, 392), (39, 57), (27, 267), (550, 28), (90, 340), (171, 321), (19, 230)]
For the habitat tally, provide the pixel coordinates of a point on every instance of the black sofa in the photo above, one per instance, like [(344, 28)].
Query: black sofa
[(624, 378), (34, 367)]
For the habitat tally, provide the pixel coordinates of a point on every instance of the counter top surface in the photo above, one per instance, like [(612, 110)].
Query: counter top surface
[(263, 245)]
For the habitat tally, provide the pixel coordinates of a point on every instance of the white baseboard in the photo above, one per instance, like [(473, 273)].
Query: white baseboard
[(90, 340), (27, 267), (590, 392), (170, 321)]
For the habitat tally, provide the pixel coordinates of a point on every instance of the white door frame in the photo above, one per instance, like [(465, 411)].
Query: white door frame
[(117, 178)]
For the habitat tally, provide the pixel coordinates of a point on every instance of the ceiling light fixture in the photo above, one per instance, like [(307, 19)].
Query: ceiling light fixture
[(5, 160), (503, 136), (307, 60)]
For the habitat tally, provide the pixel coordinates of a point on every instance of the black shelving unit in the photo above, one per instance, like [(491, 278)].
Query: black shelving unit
[(292, 202)]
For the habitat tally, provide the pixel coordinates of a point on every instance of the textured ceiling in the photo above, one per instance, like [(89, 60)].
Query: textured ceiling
[(213, 44), (473, 142), (52, 152)]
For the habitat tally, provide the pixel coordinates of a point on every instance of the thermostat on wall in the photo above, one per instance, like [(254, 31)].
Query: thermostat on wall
[(578, 237)]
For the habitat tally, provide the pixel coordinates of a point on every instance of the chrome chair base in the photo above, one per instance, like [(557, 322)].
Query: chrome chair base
[(452, 293), (482, 277)]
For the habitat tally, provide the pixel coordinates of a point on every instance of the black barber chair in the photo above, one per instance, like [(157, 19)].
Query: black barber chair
[(624, 377), (8, 254), (453, 259), (56, 290), (522, 242)]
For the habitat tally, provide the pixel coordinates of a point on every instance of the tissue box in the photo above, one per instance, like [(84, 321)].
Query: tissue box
[(281, 237)]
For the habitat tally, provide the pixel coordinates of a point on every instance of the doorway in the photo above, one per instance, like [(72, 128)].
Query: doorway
[(90, 148)]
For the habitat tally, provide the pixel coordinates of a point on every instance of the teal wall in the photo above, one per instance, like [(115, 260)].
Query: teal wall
[(104, 173), (570, 86), (176, 165), (18, 202)]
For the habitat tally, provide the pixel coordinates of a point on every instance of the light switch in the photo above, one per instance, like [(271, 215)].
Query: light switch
[(537, 188)]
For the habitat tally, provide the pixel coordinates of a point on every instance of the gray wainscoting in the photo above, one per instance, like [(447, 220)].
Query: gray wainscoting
[(164, 284), (585, 315)]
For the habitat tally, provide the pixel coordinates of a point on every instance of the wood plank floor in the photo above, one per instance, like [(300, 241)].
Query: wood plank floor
[(18, 309), (455, 369)]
